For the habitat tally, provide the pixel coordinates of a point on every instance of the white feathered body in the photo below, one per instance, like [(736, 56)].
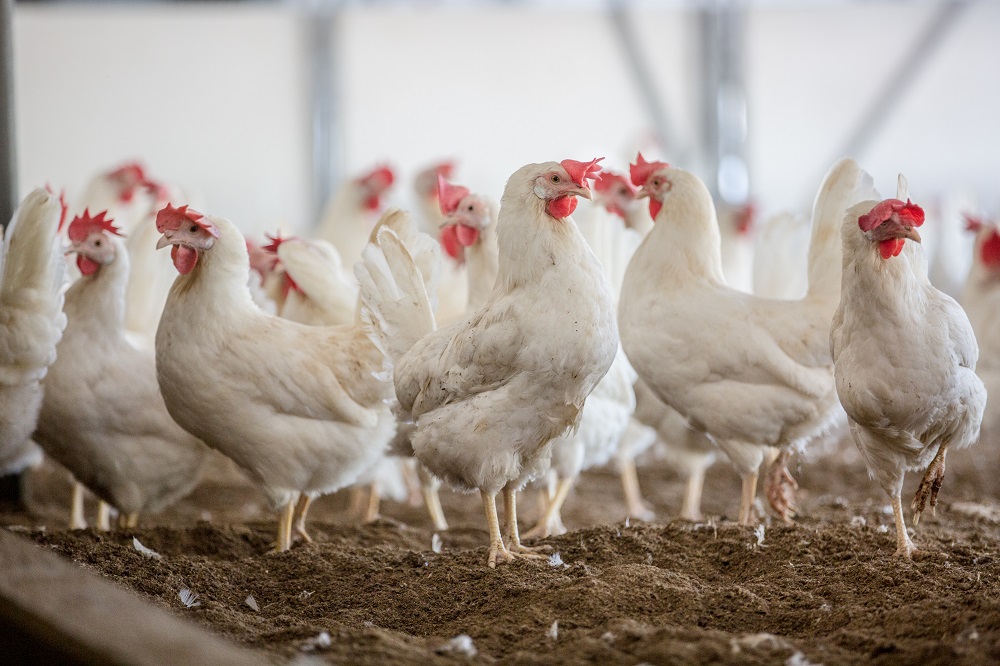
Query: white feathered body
[(103, 417), (300, 408), (905, 357), (750, 372), (489, 393), (31, 322)]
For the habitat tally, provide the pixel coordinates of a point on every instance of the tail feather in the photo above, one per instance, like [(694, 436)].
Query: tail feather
[(424, 250), (844, 185), (394, 302), (316, 268), (31, 290)]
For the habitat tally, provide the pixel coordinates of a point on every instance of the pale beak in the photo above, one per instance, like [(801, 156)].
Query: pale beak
[(583, 192), (911, 233), (642, 193), (163, 242), (73, 248)]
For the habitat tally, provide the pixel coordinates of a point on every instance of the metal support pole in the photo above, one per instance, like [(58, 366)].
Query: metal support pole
[(724, 103), (326, 140), (8, 140), (903, 77), (644, 80)]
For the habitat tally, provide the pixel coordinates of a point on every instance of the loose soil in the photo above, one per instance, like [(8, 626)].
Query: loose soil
[(826, 589)]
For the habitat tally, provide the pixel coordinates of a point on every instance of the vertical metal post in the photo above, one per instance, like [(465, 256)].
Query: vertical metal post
[(327, 141), (8, 140), (724, 102)]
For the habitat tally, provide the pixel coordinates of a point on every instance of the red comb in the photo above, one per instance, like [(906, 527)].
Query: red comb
[(608, 179), (132, 170), (973, 223), (381, 175), (445, 169), (745, 216), (581, 171), (276, 241), (642, 170), (84, 225), (449, 196), (908, 213), (172, 218)]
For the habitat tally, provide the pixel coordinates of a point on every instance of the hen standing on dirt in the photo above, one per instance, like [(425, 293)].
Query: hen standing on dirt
[(905, 357), (489, 394)]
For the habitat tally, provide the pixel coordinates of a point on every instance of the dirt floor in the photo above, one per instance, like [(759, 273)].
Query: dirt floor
[(824, 590)]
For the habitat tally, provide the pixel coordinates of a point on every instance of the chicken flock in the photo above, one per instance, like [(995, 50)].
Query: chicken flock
[(476, 345)]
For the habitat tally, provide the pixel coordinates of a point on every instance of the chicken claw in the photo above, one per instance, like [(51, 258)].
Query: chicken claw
[(930, 485), (781, 487)]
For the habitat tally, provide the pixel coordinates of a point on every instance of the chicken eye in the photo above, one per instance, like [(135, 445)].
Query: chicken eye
[(656, 182), (98, 243), (194, 228), (555, 178), (471, 208)]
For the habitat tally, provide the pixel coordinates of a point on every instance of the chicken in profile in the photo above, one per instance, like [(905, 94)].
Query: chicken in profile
[(468, 234), (981, 300), (352, 212), (103, 417), (302, 409), (488, 394), (907, 404), (749, 372), (32, 278)]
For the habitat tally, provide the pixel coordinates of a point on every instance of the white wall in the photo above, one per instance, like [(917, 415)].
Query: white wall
[(216, 96)]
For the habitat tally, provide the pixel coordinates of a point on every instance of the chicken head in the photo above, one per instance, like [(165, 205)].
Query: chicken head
[(188, 232), (652, 180), (89, 240), (374, 184), (560, 184), (890, 223)]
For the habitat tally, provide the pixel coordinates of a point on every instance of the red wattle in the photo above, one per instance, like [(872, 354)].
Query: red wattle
[(654, 208), (184, 258), (615, 209), (891, 247), (562, 207), (467, 236), (991, 250), (449, 241), (86, 265), (372, 203)]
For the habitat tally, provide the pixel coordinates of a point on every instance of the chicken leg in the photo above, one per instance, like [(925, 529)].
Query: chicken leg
[(497, 548), (637, 507), (429, 486), (284, 541), (746, 501), (510, 518), (550, 522), (76, 517), (781, 486), (103, 516), (305, 501), (904, 547), (930, 485), (128, 521), (374, 501), (691, 508)]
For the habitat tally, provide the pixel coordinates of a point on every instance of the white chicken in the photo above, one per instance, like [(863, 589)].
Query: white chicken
[(610, 405), (352, 212), (468, 230), (102, 416), (981, 300), (749, 372), (32, 278), (488, 394), (689, 451), (303, 409), (780, 268), (126, 192), (907, 402)]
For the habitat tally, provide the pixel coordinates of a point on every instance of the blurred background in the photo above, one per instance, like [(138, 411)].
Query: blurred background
[(262, 108)]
